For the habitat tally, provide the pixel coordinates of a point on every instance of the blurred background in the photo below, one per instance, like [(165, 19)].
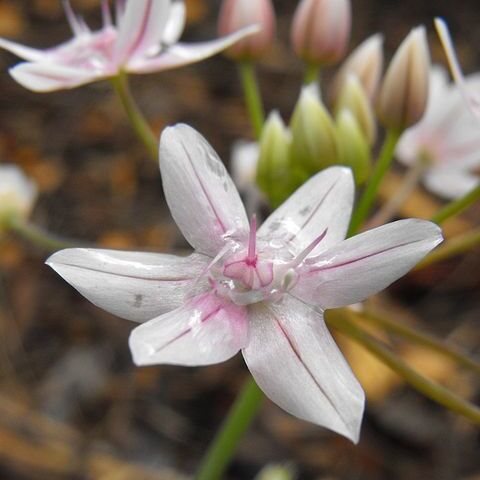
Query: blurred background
[(72, 405)]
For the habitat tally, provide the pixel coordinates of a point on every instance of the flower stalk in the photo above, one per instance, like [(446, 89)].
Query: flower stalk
[(252, 96), (456, 206), (236, 423), (381, 167), (420, 338), (311, 73), (38, 236), (137, 120), (427, 387)]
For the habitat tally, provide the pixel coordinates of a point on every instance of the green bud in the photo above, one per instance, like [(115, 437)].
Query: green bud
[(275, 176), (276, 472), (353, 146), (354, 98), (314, 144)]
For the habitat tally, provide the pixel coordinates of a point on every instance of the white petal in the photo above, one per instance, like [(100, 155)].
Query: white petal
[(450, 183), (208, 329), (133, 285), (141, 27), (48, 77), (365, 264), (199, 191), (323, 203), (295, 361), (175, 23), (185, 53), (22, 51)]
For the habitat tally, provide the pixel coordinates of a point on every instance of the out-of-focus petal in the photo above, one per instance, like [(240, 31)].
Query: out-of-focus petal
[(141, 28), (186, 53), (22, 51), (365, 264), (324, 203), (200, 193), (207, 329), (137, 286), (451, 183), (48, 77), (295, 361), (175, 23)]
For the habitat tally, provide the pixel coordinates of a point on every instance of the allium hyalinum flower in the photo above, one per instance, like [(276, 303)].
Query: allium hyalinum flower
[(447, 139), (259, 290), (144, 40), (470, 95), (237, 14), (321, 30), (17, 192)]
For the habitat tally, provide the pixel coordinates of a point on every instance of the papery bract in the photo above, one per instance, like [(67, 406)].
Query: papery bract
[(260, 291), (446, 140), (144, 40)]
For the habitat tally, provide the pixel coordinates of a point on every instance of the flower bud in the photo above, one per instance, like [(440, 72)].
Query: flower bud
[(353, 97), (244, 162), (274, 176), (321, 30), (17, 193), (404, 91), (366, 63), (353, 147), (236, 14), (314, 144)]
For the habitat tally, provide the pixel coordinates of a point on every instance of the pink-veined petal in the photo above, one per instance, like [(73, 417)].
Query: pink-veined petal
[(451, 183), (201, 195), (49, 77), (181, 54), (137, 286), (324, 203), (365, 264), (22, 51), (141, 28), (207, 329), (175, 23), (295, 361)]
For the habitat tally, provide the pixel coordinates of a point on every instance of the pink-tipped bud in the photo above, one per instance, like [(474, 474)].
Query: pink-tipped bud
[(366, 63), (404, 91), (321, 30), (236, 14)]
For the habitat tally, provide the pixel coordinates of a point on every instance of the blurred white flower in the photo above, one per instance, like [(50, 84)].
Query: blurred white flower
[(17, 192), (144, 40), (447, 139)]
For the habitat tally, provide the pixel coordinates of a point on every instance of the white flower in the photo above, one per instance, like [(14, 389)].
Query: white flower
[(144, 40), (17, 192), (262, 292), (447, 138)]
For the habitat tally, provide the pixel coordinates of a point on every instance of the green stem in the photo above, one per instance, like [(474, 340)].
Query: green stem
[(38, 236), (461, 243), (252, 97), (311, 73), (137, 120), (457, 206), (389, 210), (429, 388), (370, 193), (236, 423), (421, 338)]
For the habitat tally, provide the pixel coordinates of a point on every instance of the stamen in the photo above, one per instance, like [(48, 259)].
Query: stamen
[(252, 241), (106, 14), (222, 252), (307, 251), (72, 19)]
